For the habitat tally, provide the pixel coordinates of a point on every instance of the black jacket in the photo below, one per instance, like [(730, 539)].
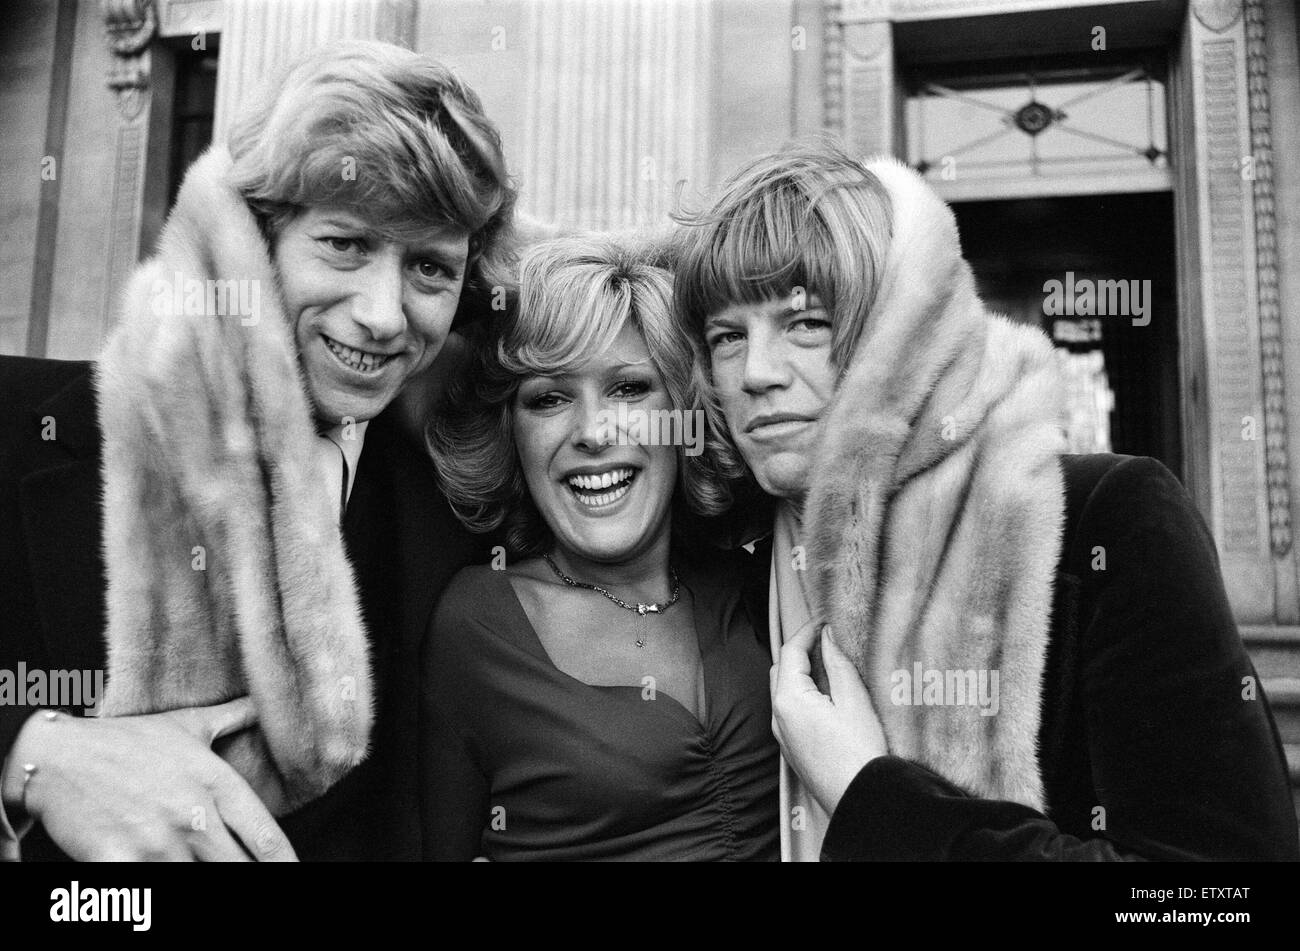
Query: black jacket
[(400, 534), (1156, 741)]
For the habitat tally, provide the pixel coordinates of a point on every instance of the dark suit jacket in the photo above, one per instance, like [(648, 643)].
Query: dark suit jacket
[(1150, 745), (400, 534)]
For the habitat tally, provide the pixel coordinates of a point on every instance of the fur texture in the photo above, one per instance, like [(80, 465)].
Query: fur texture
[(209, 443), (934, 520)]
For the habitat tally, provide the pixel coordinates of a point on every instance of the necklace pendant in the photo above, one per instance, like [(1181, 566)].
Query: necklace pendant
[(640, 642), (644, 609)]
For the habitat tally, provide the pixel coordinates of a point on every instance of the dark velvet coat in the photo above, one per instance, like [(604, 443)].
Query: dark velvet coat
[(1151, 745), (401, 537)]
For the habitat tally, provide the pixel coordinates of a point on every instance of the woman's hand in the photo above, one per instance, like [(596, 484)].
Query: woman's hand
[(827, 739)]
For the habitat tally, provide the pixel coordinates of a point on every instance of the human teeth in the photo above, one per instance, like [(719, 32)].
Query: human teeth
[(605, 498), (605, 480), (356, 359)]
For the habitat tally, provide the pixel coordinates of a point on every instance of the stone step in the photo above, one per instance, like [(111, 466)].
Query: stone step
[(1274, 649), (1275, 652), (1284, 700)]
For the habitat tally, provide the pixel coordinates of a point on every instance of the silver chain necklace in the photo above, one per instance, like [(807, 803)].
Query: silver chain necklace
[(639, 608)]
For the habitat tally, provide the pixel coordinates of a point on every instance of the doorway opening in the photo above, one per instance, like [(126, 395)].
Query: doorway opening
[(1097, 273)]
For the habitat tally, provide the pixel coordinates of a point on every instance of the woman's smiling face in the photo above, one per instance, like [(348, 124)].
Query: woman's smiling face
[(603, 497)]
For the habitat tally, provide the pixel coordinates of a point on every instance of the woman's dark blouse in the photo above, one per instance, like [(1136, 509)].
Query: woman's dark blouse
[(520, 761)]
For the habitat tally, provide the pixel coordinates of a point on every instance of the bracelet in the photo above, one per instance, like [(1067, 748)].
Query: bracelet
[(30, 769)]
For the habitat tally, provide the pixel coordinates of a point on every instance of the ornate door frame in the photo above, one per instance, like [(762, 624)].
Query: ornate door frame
[(1234, 414)]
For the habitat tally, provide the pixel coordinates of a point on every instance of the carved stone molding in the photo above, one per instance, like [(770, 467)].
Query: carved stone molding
[(867, 42), (867, 73), (1277, 468), (189, 17), (833, 70), (124, 218), (1217, 15), (1235, 384), (918, 10), (858, 76), (131, 25), (861, 11)]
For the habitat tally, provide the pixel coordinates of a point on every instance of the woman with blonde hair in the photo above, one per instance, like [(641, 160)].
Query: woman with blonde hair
[(600, 693)]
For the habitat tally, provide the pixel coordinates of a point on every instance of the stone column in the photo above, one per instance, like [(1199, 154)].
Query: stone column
[(1279, 34), (1277, 468), (861, 95), (1229, 266), (260, 37), (615, 124), (131, 26)]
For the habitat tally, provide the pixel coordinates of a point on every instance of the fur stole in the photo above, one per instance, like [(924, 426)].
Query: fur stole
[(227, 574), (933, 523)]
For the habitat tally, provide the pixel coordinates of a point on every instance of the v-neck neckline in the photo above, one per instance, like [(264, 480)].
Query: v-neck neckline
[(528, 638)]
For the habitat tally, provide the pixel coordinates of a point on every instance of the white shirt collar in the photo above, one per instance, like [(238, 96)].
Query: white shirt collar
[(349, 438)]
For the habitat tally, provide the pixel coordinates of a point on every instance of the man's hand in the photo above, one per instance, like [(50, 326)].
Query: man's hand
[(144, 787), (827, 739)]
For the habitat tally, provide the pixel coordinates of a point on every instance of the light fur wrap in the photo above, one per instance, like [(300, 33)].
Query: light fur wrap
[(226, 568), (933, 523)]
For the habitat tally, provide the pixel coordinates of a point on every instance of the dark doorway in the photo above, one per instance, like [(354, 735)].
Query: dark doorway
[(1017, 248), (193, 108)]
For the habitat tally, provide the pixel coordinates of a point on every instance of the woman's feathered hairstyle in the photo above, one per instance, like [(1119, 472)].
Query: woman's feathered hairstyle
[(575, 296)]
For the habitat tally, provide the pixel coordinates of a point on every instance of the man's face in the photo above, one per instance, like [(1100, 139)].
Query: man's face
[(367, 313), (774, 377)]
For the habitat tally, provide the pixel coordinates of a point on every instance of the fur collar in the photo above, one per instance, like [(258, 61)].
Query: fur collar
[(934, 522), (226, 568)]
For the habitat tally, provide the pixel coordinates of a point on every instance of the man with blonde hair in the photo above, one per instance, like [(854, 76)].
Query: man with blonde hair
[(224, 510)]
